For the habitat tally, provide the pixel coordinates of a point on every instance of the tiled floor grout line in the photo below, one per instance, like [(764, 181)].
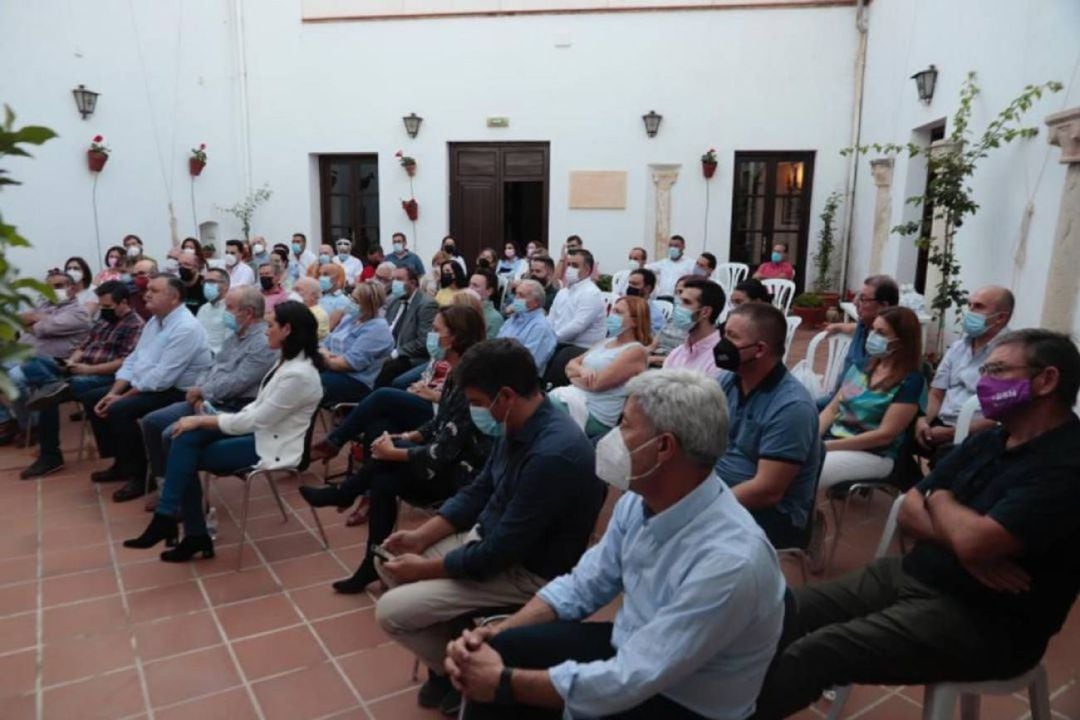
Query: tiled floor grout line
[(39, 620), (881, 700), (307, 623), (139, 669)]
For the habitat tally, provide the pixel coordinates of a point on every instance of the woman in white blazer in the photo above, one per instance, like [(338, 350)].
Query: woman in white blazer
[(269, 433)]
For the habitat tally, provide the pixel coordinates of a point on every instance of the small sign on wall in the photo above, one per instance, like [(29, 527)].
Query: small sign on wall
[(498, 122), (598, 189)]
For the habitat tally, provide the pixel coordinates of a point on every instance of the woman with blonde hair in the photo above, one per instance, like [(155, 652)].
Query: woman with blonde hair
[(355, 350), (597, 390)]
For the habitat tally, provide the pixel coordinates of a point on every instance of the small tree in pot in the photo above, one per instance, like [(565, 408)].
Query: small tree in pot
[(809, 307), (824, 279)]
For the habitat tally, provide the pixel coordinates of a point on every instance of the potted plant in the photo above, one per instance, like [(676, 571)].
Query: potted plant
[(709, 163), (810, 307), (823, 277), (406, 162), (98, 154), (197, 161), (244, 210), (411, 208)]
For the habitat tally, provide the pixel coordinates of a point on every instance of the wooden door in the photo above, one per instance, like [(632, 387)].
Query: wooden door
[(498, 193), (771, 204), (349, 192)]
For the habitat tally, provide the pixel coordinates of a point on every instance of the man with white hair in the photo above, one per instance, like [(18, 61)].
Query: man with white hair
[(349, 263), (529, 325), (704, 597), (310, 293), (384, 273)]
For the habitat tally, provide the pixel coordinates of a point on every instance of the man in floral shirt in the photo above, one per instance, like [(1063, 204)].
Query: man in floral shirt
[(91, 366)]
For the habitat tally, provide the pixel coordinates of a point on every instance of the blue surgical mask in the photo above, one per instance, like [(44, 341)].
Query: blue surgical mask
[(229, 321), (776, 257), (974, 324), (324, 259), (397, 288), (614, 324), (324, 284), (485, 422), (683, 318), (297, 248), (343, 256), (211, 292), (518, 307), (674, 253), (877, 345), (399, 247), (125, 277), (434, 349)]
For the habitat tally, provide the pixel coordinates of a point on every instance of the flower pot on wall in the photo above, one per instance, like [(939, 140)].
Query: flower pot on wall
[(195, 166), (410, 169), (96, 160), (708, 169), (411, 208)]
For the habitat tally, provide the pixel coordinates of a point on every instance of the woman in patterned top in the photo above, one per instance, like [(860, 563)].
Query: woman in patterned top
[(423, 466)]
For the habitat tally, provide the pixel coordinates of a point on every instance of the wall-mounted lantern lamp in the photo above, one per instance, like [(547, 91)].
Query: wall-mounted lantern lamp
[(412, 124), (652, 123), (85, 100), (925, 80)]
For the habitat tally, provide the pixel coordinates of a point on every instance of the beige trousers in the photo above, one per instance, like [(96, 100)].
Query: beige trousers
[(419, 615)]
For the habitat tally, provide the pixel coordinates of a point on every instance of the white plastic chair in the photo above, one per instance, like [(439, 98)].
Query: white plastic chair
[(618, 281), (782, 291), (939, 699), (609, 300), (666, 307), (838, 347), (793, 324), (728, 275), (963, 420)]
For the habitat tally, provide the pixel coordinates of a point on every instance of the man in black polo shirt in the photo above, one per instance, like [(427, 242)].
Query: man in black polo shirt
[(524, 520), (995, 568)]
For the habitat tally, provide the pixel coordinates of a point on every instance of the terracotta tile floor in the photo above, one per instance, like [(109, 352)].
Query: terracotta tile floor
[(91, 629)]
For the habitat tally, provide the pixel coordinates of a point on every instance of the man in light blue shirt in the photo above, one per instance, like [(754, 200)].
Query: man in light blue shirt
[(528, 324), (703, 594), (171, 354)]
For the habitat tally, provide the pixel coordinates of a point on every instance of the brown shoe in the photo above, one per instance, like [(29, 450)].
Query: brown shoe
[(323, 450)]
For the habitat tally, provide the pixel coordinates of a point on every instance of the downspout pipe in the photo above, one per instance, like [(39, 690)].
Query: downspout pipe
[(862, 25)]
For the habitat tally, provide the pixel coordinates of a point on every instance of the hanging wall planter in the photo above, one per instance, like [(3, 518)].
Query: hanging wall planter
[(709, 163), (411, 208), (406, 162), (97, 155), (197, 161)]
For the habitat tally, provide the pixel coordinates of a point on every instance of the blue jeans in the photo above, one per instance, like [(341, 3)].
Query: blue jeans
[(49, 418), (339, 387), (385, 410), (405, 379), (157, 433), (210, 450)]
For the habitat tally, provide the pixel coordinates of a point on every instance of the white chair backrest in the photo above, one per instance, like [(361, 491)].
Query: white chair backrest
[(963, 420), (782, 291), (890, 527), (728, 275), (666, 307), (838, 347), (792, 325), (609, 300), (618, 280)]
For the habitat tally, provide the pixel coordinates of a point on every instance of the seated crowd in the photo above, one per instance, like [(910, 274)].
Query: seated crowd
[(508, 398)]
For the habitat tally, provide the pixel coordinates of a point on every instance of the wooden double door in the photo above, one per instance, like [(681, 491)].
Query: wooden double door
[(498, 194)]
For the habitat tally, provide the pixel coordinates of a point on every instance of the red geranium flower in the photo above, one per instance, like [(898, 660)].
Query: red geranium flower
[(98, 138)]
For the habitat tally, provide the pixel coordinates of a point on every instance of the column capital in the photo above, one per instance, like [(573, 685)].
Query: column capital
[(1065, 133), (882, 170), (664, 178)]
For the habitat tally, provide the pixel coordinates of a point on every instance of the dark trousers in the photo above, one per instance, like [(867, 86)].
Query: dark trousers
[(538, 647), (393, 367), (118, 435), (778, 528), (555, 375), (880, 626), (49, 418), (385, 410), (339, 387)]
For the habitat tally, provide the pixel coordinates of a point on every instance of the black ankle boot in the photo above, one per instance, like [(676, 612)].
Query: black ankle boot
[(328, 496), (188, 548), (161, 527), (364, 576)]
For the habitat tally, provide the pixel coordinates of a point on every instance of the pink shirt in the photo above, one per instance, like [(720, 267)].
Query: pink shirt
[(272, 299), (769, 270), (695, 356)]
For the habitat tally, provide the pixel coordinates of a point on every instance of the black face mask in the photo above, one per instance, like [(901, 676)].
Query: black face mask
[(446, 281), (483, 263), (267, 283), (108, 315), (187, 274), (633, 291), (450, 249), (728, 356)]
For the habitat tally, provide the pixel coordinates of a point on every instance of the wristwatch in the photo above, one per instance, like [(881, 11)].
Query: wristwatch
[(504, 692)]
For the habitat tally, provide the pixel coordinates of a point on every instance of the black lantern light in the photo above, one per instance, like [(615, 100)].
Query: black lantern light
[(412, 124), (925, 80), (652, 123), (85, 100)]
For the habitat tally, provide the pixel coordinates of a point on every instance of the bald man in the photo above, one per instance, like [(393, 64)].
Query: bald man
[(985, 319), (310, 293)]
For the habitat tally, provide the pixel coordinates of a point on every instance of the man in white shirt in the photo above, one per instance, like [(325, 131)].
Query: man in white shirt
[(348, 262), (210, 315), (669, 270), (638, 257), (577, 316), (240, 273), (301, 254)]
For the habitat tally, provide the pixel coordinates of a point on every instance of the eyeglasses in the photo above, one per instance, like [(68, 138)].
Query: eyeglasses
[(996, 370), (860, 300)]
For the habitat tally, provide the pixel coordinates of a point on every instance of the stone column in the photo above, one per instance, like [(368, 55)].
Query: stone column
[(1063, 281), (882, 170), (664, 177)]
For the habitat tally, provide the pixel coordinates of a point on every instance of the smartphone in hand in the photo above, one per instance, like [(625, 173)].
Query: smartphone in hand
[(382, 553)]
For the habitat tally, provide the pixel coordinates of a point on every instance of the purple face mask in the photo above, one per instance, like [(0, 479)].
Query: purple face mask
[(1000, 396)]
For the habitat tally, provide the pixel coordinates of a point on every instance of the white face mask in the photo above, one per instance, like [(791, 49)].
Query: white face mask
[(613, 460), (134, 251), (230, 260), (572, 275), (76, 275), (258, 249)]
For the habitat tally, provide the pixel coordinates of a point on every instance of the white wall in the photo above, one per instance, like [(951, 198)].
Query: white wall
[(777, 79), (1009, 45)]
